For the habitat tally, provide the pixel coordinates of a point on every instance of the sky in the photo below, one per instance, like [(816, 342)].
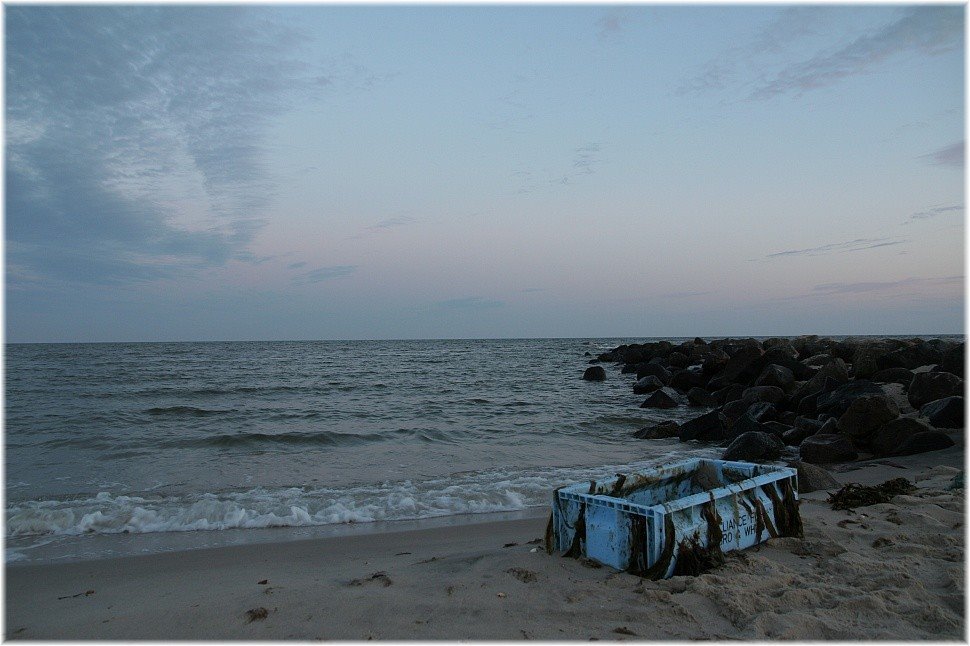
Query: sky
[(390, 172)]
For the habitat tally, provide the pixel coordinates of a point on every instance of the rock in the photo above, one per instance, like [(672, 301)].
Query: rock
[(788, 417), (775, 375), (677, 360), (746, 424), (628, 368), (699, 397), (865, 415), (813, 478), (754, 446), (804, 427), (776, 428), (826, 448), (685, 379), (902, 376), (728, 394), (594, 373), (930, 386), (708, 427), (865, 359), (953, 360), (647, 368), (944, 413), (837, 401), (663, 398), (593, 361), (733, 410), (762, 412), (740, 360), (923, 442), (781, 345), (772, 394), (836, 371), (714, 362), (659, 431), (817, 361), (807, 406), (919, 353), (890, 436), (648, 384)]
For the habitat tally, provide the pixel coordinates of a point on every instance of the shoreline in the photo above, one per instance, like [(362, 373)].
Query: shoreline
[(890, 571)]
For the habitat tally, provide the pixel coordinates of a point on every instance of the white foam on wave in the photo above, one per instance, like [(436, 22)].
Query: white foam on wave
[(468, 493)]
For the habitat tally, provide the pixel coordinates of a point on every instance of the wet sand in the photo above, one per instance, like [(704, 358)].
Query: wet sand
[(889, 571)]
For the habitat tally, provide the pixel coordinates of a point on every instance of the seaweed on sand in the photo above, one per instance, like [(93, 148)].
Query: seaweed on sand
[(855, 495)]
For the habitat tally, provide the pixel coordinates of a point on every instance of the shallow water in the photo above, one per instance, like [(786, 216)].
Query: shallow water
[(147, 438)]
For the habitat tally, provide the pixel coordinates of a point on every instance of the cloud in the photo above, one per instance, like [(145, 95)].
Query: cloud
[(786, 28), (584, 160), (469, 303), (927, 30), (934, 212), (866, 287), (613, 22), (325, 273), (859, 244), (136, 135), (297, 265), (533, 290), (952, 155)]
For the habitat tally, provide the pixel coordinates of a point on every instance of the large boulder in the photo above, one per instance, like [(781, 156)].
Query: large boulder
[(902, 376), (890, 436), (646, 385), (913, 355), (733, 410), (741, 360), (746, 424), (834, 372), (677, 360), (697, 396), (762, 412), (930, 386), (754, 446), (944, 413), (771, 394), (662, 398), (826, 448), (594, 373), (865, 359), (865, 415), (813, 478), (837, 401), (684, 379), (923, 442), (804, 427), (775, 375), (648, 368), (953, 360), (659, 431), (708, 427), (817, 361), (714, 361), (728, 394)]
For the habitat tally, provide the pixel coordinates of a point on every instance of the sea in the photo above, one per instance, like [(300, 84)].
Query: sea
[(131, 448)]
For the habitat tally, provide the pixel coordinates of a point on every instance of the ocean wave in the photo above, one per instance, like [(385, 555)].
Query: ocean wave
[(144, 512), (319, 438), (187, 411)]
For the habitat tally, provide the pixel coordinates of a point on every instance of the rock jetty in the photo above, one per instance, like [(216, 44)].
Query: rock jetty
[(826, 400)]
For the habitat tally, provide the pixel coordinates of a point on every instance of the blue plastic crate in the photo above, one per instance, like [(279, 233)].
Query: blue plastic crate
[(644, 523)]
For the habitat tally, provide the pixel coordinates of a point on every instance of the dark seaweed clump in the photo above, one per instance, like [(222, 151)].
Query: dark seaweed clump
[(855, 495)]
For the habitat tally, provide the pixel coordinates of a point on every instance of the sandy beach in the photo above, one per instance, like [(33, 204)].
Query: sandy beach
[(889, 571)]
